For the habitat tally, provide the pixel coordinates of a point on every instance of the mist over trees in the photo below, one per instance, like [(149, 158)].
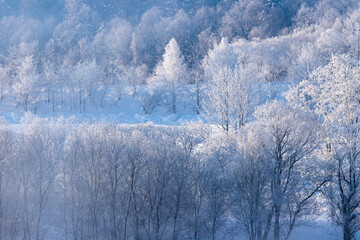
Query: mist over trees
[(274, 82)]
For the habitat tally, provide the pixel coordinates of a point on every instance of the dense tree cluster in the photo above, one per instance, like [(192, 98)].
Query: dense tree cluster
[(103, 181), (81, 57), (261, 164)]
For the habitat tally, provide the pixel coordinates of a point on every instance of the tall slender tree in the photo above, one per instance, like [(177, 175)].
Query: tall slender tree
[(171, 72)]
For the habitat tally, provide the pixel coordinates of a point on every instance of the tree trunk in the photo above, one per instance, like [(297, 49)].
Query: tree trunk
[(277, 222), (1, 205), (268, 225), (346, 231), (197, 99)]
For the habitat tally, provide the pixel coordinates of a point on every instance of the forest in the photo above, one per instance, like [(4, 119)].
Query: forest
[(181, 120)]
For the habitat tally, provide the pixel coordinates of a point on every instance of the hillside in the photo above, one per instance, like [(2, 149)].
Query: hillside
[(182, 120)]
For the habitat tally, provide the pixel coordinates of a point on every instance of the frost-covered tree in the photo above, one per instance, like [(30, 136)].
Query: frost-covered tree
[(27, 86), (113, 42), (230, 94), (309, 59), (5, 80), (135, 76), (85, 77), (71, 192), (250, 180), (228, 99), (216, 175), (37, 157), (288, 137), (6, 148), (223, 55), (79, 24), (148, 38), (92, 177), (333, 94), (255, 18), (171, 72)]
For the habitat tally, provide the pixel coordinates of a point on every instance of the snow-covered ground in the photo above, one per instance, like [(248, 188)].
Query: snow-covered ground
[(126, 110), (321, 229)]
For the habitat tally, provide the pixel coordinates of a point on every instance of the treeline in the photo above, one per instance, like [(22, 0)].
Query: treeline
[(85, 60)]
